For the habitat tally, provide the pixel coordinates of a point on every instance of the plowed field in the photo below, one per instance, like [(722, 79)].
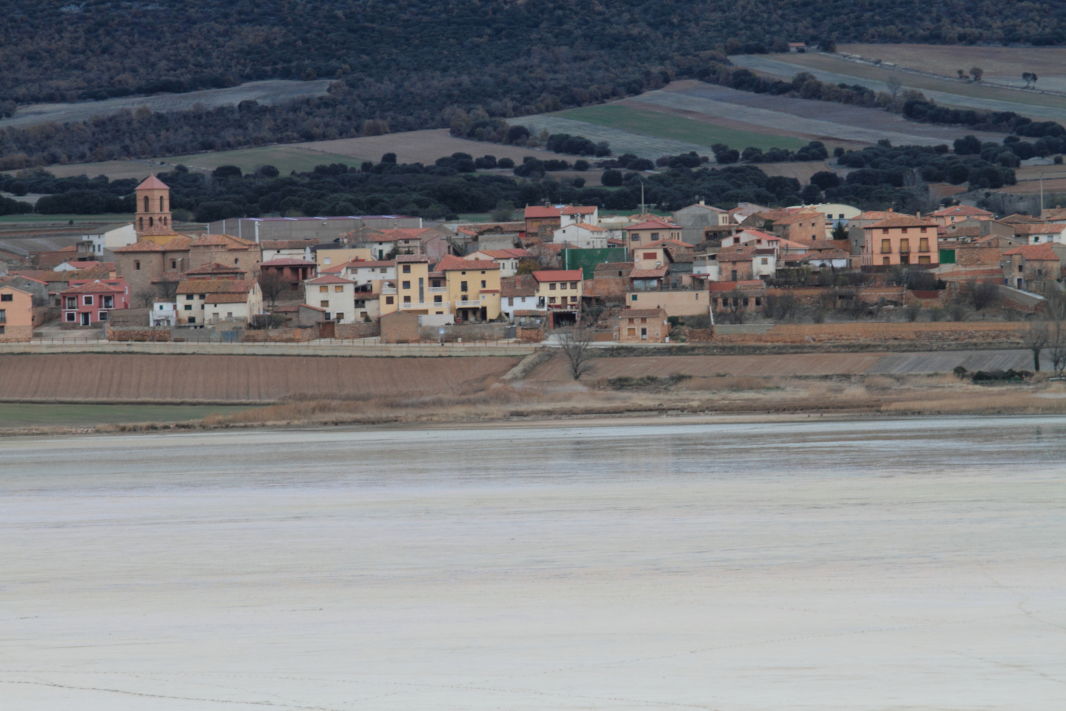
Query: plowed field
[(192, 378)]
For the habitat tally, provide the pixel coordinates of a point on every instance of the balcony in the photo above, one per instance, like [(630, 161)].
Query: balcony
[(468, 303)]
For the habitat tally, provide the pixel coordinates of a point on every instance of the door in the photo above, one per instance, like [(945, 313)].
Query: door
[(84, 319)]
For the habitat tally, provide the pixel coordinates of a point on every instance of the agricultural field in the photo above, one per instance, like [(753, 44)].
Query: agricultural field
[(271, 91), (1001, 65), (15, 415), (200, 379), (691, 115), (409, 147), (944, 90)]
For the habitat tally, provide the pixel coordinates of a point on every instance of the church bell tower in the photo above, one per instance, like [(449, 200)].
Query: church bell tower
[(153, 208)]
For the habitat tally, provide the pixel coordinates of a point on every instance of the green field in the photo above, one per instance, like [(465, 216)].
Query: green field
[(15, 415), (677, 128)]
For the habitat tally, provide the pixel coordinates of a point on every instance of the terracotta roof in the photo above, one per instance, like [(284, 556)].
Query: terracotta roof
[(1015, 218), (541, 211), (546, 275), (159, 243), (369, 264), (1036, 252), (1039, 228), (653, 273), (961, 210), (215, 286), (587, 226), (152, 183), (411, 259), (901, 220), (96, 287), (395, 234), (579, 210), (328, 279), (654, 225), (227, 241), (451, 263), (876, 215)]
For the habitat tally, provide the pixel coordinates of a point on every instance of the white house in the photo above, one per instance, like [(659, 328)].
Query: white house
[(519, 294), (335, 295), (164, 313), (371, 274), (287, 249), (574, 214), (582, 235), (110, 238), (508, 259)]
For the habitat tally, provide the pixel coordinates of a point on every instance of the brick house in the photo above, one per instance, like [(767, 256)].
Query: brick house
[(642, 326), (1032, 266), (901, 240), (90, 302)]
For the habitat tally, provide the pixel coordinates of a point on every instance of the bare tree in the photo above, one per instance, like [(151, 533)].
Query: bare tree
[(977, 73), (1036, 339), (1029, 78), (576, 345), (272, 285), (146, 296), (894, 85)]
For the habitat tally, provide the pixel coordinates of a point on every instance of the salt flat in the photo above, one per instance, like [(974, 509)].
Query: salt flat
[(912, 564)]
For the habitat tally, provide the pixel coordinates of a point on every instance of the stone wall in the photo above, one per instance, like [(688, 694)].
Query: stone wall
[(141, 335), (356, 330), (279, 335)]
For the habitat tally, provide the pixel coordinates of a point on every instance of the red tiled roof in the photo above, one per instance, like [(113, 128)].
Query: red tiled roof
[(96, 287), (153, 183), (451, 263), (505, 253), (328, 279), (901, 220), (546, 275), (579, 210), (1037, 252), (963, 210), (654, 273), (588, 227), (642, 313), (215, 286), (541, 211)]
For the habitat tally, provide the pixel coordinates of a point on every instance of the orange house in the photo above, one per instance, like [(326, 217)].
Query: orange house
[(16, 314), (901, 240)]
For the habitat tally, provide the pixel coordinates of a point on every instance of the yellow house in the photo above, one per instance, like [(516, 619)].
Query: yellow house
[(411, 290), (559, 290), (473, 287), (16, 314)]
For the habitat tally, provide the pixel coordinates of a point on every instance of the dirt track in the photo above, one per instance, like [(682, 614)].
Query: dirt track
[(119, 377)]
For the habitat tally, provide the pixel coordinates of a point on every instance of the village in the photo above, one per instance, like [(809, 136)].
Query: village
[(631, 279)]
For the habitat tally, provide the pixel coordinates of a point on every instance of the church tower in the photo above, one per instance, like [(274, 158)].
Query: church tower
[(153, 208)]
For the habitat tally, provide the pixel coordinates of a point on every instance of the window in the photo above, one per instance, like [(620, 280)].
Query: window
[(885, 260), (188, 307), (406, 269), (137, 264), (389, 300), (192, 319), (7, 297), (632, 297), (634, 238), (551, 299), (162, 207), (70, 318), (886, 246), (904, 230), (573, 299), (405, 285), (188, 297), (551, 286), (3, 330), (146, 207), (338, 289), (202, 297), (109, 302), (324, 303), (923, 244), (173, 263), (463, 286), (87, 300), (650, 255), (3, 315), (904, 245), (438, 299), (925, 259), (336, 316), (103, 315), (407, 299), (483, 284), (764, 260), (72, 302), (654, 236)]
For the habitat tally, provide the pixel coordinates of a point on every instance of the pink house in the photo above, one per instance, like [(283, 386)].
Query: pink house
[(87, 302)]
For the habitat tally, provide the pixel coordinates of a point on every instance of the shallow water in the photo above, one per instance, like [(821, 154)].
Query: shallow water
[(910, 564)]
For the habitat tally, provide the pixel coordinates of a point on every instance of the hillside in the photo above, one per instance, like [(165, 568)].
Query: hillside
[(411, 64)]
